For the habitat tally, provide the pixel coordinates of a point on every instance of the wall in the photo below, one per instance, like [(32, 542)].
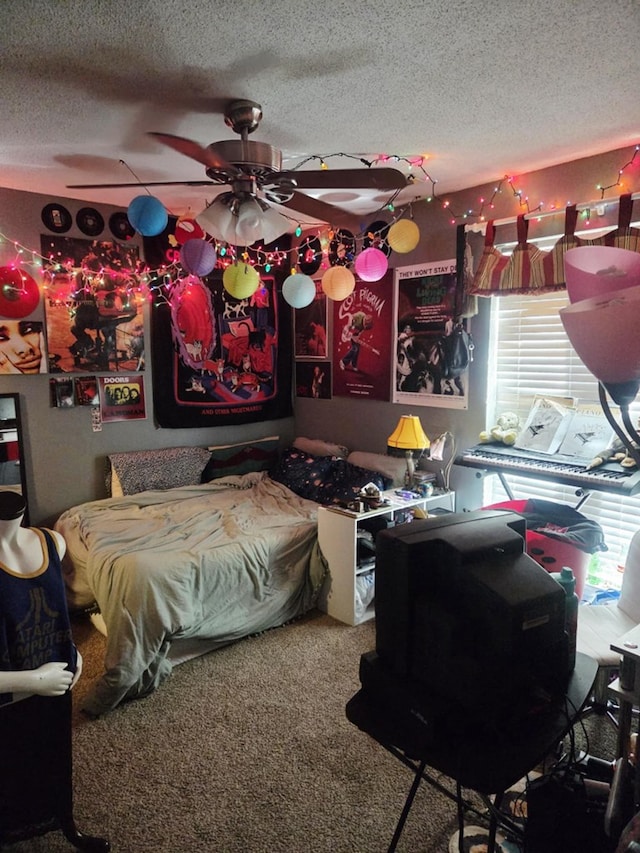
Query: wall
[(65, 459), (365, 424)]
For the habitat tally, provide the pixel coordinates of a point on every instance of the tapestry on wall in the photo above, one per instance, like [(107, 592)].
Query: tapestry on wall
[(94, 316), (361, 341), (219, 360)]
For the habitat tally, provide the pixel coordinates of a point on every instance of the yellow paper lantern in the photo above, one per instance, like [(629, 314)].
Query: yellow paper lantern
[(240, 280), (403, 236), (338, 283)]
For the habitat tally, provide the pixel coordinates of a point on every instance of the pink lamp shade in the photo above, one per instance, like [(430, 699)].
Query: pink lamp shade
[(595, 270), (603, 330)]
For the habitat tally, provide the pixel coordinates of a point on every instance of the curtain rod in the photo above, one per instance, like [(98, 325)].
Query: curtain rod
[(540, 214)]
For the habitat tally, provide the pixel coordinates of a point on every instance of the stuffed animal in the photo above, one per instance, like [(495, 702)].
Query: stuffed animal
[(615, 451), (505, 431)]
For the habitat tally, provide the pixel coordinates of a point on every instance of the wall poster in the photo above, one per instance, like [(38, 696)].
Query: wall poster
[(431, 347), (94, 315), (311, 327), (361, 341)]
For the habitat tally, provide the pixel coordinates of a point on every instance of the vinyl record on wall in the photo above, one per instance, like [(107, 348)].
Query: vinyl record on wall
[(19, 293), (375, 235), (90, 221), (120, 226), (342, 248), (309, 255), (56, 218)]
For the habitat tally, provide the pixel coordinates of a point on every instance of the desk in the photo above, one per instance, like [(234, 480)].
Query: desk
[(488, 763)]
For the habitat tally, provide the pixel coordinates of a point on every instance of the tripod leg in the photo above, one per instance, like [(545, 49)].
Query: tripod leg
[(407, 807)]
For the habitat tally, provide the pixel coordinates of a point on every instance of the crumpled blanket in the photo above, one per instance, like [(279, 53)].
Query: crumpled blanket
[(220, 561)]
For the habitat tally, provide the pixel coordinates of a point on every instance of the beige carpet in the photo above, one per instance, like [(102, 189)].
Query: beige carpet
[(247, 750)]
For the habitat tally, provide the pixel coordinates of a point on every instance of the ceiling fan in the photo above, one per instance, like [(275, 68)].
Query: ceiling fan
[(254, 172)]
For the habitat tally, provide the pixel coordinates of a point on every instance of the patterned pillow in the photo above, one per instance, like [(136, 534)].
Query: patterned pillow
[(242, 458), (166, 468), (323, 479)]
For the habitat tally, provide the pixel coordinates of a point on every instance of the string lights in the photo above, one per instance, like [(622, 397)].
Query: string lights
[(156, 284)]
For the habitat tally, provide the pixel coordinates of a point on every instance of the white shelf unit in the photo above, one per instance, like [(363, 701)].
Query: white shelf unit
[(337, 537)]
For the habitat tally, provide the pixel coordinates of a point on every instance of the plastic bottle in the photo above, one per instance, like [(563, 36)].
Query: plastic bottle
[(567, 581)]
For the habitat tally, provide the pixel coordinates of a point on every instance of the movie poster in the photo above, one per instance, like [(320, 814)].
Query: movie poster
[(311, 327), (313, 379), (361, 341), (92, 305), (432, 349)]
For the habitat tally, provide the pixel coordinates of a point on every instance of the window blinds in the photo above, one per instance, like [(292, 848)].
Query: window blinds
[(530, 354)]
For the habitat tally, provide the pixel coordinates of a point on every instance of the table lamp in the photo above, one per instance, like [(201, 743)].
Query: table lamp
[(410, 437), (603, 328)]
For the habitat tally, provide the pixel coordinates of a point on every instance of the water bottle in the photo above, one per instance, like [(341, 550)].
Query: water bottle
[(567, 581)]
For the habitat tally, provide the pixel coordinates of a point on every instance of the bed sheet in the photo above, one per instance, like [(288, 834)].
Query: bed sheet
[(219, 561)]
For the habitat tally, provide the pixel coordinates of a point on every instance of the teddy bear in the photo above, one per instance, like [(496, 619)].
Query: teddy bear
[(615, 451), (505, 431)]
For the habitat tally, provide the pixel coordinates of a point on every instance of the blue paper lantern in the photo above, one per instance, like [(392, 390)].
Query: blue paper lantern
[(148, 215), (198, 257), (299, 290)]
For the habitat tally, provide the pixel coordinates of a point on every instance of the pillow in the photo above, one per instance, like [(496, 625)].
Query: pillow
[(165, 468), (319, 447), (323, 479), (392, 467), (242, 458)]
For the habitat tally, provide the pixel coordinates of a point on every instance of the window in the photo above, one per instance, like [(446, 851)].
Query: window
[(531, 354)]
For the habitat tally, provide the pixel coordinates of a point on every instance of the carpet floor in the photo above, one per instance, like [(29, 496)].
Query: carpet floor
[(248, 750)]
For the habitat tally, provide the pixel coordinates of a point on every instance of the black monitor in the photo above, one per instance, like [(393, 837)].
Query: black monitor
[(462, 610)]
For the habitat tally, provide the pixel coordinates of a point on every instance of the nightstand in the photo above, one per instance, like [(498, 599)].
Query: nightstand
[(338, 540)]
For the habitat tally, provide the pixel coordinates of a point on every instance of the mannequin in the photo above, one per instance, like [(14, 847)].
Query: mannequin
[(39, 665)]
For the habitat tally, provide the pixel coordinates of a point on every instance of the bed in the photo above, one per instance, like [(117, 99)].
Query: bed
[(198, 547)]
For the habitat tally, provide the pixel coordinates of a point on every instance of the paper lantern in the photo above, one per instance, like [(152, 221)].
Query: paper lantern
[(19, 293), (240, 280), (198, 257), (338, 283), (404, 236), (148, 216), (299, 290), (371, 264), (187, 229), (596, 270)]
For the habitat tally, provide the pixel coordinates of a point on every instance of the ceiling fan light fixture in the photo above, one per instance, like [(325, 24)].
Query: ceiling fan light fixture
[(249, 221), (218, 219), (274, 224)]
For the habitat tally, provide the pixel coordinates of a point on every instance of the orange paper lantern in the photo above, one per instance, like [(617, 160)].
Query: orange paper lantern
[(338, 283)]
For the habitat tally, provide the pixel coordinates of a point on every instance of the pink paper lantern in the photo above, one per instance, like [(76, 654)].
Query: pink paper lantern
[(198, 257), (371, 264)]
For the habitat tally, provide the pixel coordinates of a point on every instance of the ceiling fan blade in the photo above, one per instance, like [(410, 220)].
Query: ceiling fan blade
[(345, 179), (194, 150), (320, 210), (142, 185)]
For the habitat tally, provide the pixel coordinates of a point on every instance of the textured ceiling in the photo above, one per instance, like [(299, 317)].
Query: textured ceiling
[(484, 88)]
